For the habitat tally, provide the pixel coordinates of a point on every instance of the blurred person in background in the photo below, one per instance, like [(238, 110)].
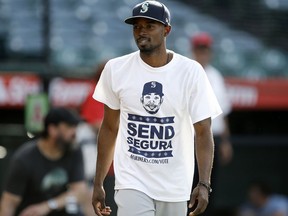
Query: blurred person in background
[(46, 175), (262, 202), (201, 47), (92, 112)]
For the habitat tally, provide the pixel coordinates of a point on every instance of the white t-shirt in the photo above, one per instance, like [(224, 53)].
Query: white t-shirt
[(218, 85), (155, 144)]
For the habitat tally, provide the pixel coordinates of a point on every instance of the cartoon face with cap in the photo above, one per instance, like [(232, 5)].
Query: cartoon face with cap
[(152, 97)]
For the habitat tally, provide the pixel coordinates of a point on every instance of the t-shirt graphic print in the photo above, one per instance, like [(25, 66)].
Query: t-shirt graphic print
[(149, 137)]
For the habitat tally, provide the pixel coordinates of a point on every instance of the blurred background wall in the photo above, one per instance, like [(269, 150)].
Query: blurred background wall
[(54, 46)]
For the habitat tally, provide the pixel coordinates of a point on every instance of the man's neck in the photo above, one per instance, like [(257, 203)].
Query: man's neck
[(49, 149), (158, 59)]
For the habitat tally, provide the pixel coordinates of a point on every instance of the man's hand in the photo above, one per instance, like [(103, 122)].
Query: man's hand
[(199, 199), (40, 209), (98, 201)]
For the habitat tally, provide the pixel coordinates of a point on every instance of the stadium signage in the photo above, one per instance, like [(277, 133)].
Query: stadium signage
[(258, 94), (68, 92), (244, 94), (14, 88)]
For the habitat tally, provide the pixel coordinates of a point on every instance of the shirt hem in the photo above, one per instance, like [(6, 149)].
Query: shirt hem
[(155, 197)]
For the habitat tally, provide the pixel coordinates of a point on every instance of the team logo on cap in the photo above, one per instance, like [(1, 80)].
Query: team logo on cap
[(144, 7), (153, 84)]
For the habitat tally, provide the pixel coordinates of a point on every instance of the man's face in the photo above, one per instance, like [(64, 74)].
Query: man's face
[(151, 102), (202, 55), (65, 137), (149, 35)]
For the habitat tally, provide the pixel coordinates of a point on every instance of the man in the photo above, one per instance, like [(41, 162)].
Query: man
[(45, 172), (154, 151), (201, 46)]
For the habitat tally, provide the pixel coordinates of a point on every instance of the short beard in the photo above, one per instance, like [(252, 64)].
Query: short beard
[(151, 111), (148, 50), (65, 146)]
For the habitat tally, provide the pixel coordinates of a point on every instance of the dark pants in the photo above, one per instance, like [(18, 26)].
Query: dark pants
[(109, 184)]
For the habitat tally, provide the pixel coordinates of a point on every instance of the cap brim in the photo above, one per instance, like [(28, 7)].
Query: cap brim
[(131, 20), (74, 121)]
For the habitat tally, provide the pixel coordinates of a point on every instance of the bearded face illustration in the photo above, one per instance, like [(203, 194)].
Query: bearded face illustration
[(152, 97)]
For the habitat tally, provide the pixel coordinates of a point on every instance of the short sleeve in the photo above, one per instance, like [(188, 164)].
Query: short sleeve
[(16, 171), (104, 91), (203, 103)]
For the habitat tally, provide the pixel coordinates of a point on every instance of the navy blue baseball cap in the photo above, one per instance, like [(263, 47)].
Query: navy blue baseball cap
[(151, 10), (153, 87)]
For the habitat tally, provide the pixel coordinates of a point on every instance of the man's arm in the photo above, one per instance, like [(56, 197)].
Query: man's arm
[(76, 189), (204, 149), (9, 204), (204, 154), (106, 144)]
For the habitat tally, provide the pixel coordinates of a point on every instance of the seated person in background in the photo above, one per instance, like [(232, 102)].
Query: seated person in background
[(261, 202), (45, 171)]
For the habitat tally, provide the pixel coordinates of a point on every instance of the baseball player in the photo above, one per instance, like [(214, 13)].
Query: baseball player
[(152, 139)]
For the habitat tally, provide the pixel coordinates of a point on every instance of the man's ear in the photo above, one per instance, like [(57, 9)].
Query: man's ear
[(52, 130), (167, 30)]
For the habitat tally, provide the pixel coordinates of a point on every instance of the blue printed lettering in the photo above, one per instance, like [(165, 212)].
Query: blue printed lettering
[(151, 144), (136, 143), (156, 132), (143, 131), (169, 132), (144, 144), (132, 129), (130, 140), (150, 132)]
